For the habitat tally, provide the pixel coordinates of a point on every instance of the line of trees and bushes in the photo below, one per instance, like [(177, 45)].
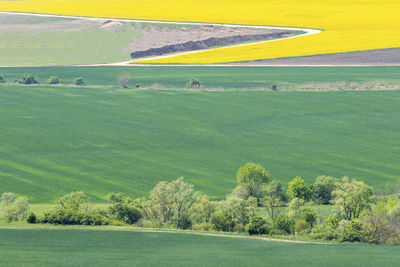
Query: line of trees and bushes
[(258, 205), (29, 79)]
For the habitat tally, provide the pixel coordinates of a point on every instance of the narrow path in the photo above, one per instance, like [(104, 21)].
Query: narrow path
[(127, 63)]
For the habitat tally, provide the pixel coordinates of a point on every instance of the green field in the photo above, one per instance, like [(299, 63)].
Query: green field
[(45, 247), (55, 140), (211, 77)]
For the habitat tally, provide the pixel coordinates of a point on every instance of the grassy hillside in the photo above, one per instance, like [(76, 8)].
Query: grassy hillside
[(125, 248), (214, 77), (54, 139)]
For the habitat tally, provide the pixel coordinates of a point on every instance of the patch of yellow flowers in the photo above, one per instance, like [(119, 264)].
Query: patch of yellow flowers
[(348, 25)]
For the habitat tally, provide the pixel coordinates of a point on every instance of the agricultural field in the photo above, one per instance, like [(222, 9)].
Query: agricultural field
[(42, 247), (346, 25), (103, 139)]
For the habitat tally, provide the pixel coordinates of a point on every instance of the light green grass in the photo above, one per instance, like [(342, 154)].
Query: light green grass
[(48, 247), (55, 140)]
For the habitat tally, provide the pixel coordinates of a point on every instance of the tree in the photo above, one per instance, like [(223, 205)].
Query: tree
[(172, 202), (274, 198), (323, 188), (13, 208), (257, 226), (297, 188), (74, 201), (29, 79), (53, 80), (232, 215), (193, 84), (124, 80), (124, 208), (79, 82), (252, 177), (2, 79), (308, 215), (352, 197), (202, 208)]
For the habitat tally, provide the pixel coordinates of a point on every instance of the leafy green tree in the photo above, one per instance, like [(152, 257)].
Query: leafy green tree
[(29, 79), (31, 218), (308, 215), (231, 215), (274, 198), (353, 197), (202, 209), (79, 82), (171, 202), (297, 188), (323, 188), (251, 177), (53, 80), (74, 201), (257, 226), (13, 208), (124, 208)]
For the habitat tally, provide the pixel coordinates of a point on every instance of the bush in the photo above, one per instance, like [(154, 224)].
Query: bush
[(31, 217), (309, 216), (301, 227), (257, 226), (74, 217), (184, 223), (193, 84), (79, 82), (28, 79), (222, 222), (2, 79), (53, 80), (285, 224), (124, 208), (205, 226), (350, 231)]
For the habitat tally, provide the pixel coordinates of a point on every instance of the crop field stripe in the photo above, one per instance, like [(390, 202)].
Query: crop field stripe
[(123, 248)]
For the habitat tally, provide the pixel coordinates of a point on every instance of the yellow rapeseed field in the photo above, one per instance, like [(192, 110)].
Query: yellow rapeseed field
[(349, 25)]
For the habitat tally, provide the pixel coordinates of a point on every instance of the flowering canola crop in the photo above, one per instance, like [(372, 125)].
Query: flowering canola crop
[(348, 25)]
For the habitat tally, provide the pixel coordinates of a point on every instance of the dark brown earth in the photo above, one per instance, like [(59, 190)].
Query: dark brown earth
[(207, 43), (389, 56)]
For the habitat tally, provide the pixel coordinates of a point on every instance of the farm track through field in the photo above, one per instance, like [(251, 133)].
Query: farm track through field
[(127, 63)]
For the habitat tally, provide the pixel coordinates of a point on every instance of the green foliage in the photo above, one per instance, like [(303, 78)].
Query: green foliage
[(353, 197), (252, 177), (297, 188), (193, 84), (202, 209), (13, 208), (74, 201), (309, 216), (2, 79), (350, 231), (275, 198), (31, 218), (285, 224), (257, 226), (53, 80), (28, 79), (124, 208), (79, 82), (301, 227), (323, 188)]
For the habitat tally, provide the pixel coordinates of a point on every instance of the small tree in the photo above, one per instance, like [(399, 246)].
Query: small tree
[(257, 226), (352, 198), (2, 79), (193, 84), (274, 198), (124, 81), (29, 79), (13, 208), (53, 80), (31, 218), (74, 201), (297, 188), (79, 82), (124, 208), (252, 177), (323, 188)]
